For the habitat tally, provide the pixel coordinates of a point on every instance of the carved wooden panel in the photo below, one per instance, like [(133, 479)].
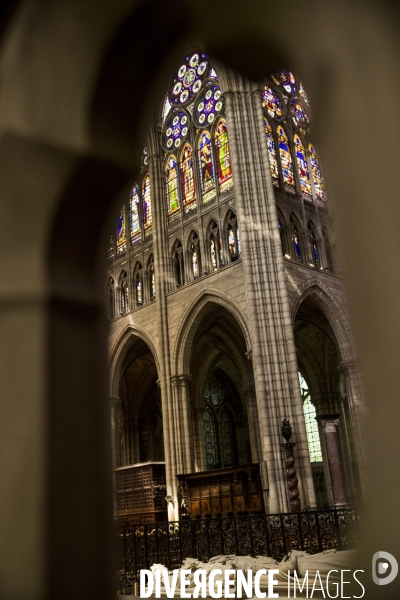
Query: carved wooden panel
[(140, 491), (220, 492)]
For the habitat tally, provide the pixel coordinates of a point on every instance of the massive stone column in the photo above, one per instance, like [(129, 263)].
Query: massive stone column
[(329, 424), (274, 356), (356, 406)]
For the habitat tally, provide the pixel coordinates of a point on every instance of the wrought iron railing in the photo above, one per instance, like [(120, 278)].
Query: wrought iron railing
[(270, 535)]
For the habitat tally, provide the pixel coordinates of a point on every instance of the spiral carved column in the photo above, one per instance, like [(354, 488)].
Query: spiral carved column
[(291, 473)]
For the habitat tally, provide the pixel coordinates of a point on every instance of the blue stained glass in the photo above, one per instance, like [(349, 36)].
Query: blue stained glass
[(176, 130), (190, 78), (302, 166), (147, 212), (134, 205), (208, 106), (286, 81), (121, 232)]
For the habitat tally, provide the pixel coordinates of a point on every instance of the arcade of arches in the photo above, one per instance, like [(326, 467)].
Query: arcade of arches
[(227, 303)]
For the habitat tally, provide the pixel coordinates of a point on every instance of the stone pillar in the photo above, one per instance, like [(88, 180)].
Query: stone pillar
[(274, 353), (249, 395), (356, 406), (183, 422), (330, 423)]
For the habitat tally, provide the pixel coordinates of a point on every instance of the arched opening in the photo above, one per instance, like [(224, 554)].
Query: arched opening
[(138, 438), (321, 382), (222, 385)]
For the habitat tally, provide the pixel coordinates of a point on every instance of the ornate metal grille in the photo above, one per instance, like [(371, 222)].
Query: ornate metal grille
[(140, 546)]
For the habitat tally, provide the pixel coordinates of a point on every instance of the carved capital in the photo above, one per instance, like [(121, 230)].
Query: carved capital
[(347, 366), (180, 381), (329, 422)]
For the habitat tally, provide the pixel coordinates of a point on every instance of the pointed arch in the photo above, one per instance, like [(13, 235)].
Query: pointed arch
[(191, 320), (125, 342), (337, 319)]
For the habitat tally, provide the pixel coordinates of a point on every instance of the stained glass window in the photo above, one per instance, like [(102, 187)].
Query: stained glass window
[(223, 156), (286, 80), (231, 241), (273, 161), (314, 444), (319, 185), (302, 167), (286, 159), (134, 210), (206, 167), (195, 264), (213, 255), (166, 109), (226, 439), (213, 74), (124, 297), (171, 175), (218, 425), (210, 440), (208, 106), (303, 94), (187, 178), (145, 157), (300, 119), (296, 245), (121, 232), (111, 248), (176, 130), (272, 103), (152, 283), (138, 289), (314, 247), (147, 213), (190, 77)]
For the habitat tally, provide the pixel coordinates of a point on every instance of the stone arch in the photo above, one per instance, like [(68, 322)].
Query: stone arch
[(119, 351), (191, 321), (337, 319)]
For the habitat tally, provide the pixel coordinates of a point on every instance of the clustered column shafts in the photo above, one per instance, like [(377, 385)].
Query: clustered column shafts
[(162, 278), (274, 355), (329, 424), (291, 473)]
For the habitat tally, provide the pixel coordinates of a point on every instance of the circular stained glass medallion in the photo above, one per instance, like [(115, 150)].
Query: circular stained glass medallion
[(209, 105), (287, 81), (176, 130), (300, 118), (189, 78), (272, 103)]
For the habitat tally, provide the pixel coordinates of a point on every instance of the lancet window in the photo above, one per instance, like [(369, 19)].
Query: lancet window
[(124, 292), (218, 424), (313, 439), (293, 160)]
